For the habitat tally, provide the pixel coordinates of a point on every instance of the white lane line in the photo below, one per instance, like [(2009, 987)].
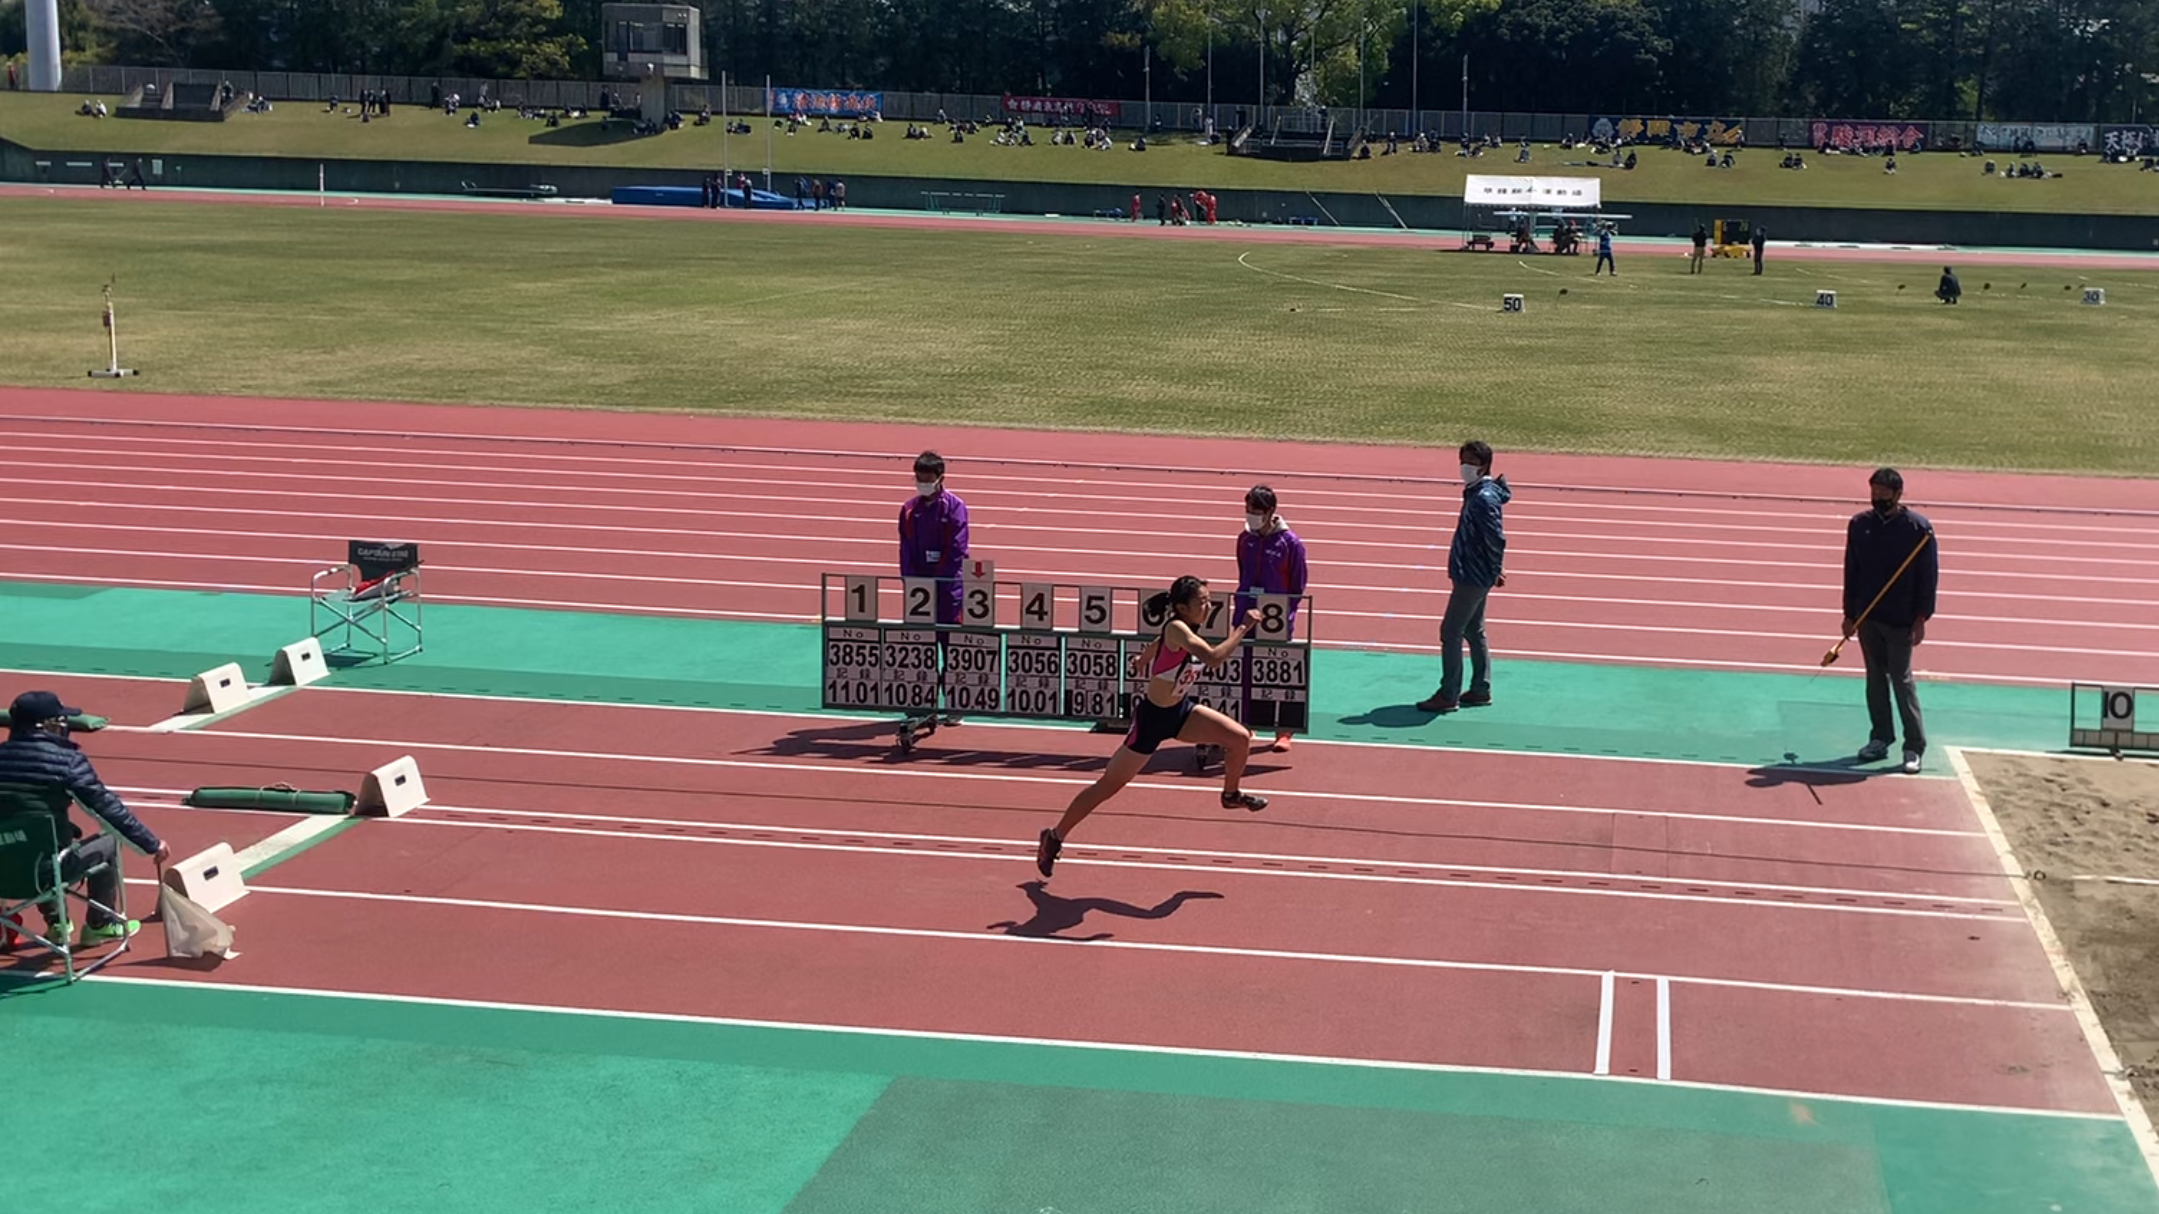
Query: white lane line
[(1144, 946), (896, 464), (2046, 552), (2075, 997), (1664, 1029), (1002, 777), (1417, 592), (1090, 857), (295, 835), (1604, 1024), (1061, 491), (597, 1014), (1963, 585)]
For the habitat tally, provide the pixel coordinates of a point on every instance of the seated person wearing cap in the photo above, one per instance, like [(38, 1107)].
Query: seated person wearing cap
[(38, 755)]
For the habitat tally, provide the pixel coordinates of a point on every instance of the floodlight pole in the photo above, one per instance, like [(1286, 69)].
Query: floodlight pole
[(768, 134), (726, 125), (1465, 96)]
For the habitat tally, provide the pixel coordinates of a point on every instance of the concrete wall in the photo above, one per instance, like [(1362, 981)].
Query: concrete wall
[(1422, 212)]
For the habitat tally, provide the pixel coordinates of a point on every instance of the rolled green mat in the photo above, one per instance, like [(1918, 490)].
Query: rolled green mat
[(82, 724), (292, 800)]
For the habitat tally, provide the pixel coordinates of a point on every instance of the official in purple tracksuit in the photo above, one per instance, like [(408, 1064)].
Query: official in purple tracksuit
[(1270, 560), (933, 535), (933, 541)]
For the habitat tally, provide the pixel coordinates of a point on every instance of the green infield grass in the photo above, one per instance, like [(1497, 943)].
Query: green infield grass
[(1937, 181), (1090, 330)]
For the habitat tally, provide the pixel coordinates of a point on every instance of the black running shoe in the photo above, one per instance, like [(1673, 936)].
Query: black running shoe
[(1243, 800), (1046, 853)]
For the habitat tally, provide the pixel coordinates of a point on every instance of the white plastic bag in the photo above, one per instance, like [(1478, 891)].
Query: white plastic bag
[(191, 931)]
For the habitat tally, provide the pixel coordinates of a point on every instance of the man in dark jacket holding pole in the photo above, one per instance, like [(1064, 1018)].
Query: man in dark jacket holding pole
[(1475, 563), (38, 757), (1890, 562)]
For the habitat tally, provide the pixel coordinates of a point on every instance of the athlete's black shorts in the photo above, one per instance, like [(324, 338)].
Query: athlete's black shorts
[(1153, 724)]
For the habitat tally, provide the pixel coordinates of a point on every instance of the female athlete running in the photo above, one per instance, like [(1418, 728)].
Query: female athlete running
[(1166, 711)]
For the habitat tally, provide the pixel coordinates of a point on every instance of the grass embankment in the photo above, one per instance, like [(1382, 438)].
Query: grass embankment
[(302, 129), (811, 319)]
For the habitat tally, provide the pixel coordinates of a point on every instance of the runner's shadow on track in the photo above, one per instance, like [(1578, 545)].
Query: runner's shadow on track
[(1054, 914), (875, 742)]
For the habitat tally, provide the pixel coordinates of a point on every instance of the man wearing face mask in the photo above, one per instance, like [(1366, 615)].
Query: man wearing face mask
[(933, 538), (1877, 543), (1270, 560), (1475, 563), (39, 762)]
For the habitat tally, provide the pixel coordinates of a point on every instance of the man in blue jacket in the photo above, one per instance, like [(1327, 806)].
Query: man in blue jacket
[(1475, 564), (1877, 543), (38, 756)]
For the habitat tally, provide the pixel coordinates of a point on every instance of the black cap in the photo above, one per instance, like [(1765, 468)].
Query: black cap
[(37, 707)]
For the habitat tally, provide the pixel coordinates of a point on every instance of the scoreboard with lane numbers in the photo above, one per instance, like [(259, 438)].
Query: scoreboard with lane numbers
[(1043, 650)]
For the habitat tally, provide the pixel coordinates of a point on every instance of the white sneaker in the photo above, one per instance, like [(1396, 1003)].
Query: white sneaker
[(1911, 763), (1874, 752)]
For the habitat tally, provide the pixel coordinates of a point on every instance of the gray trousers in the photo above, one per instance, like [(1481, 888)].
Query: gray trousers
[(1464, 621), (104, 884), (1888, 652)]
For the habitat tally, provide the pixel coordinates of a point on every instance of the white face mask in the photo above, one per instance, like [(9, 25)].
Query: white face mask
[(1255, 523), (927, 488), (1471, 474)]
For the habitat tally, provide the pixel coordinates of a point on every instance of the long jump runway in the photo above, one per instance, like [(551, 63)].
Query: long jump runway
[(1675, 925)]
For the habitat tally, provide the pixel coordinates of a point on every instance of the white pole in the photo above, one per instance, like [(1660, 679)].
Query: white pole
[(768, 133), (43, 22), (322, 186), (1465, 96), (725, 124), (1414, 14)]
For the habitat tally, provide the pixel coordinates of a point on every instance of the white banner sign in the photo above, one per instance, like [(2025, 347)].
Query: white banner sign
[(2048, 137), (1568, 192)]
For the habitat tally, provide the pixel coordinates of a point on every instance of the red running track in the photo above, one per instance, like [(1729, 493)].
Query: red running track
[(1016, 225), (814, 883), (1670, 562)]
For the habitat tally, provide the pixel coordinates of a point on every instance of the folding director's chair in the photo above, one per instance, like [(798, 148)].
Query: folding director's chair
[(374, 598), (32, 876)]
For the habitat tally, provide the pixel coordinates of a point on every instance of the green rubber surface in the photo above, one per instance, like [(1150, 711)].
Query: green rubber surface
[(290, 1102), (317, 1103), (1364, 696)]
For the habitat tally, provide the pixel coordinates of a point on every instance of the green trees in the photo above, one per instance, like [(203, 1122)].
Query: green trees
[(2067, 60)]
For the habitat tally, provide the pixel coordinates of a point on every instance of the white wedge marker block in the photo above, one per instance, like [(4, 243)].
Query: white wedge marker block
[(211, 879), (391, 790), (298, 664), (215, 691)]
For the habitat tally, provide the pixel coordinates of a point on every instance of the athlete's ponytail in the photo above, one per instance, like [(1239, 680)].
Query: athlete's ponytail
[(1182, 591)]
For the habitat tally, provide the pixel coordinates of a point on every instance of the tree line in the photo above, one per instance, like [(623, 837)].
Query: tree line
[(2045, 60)]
